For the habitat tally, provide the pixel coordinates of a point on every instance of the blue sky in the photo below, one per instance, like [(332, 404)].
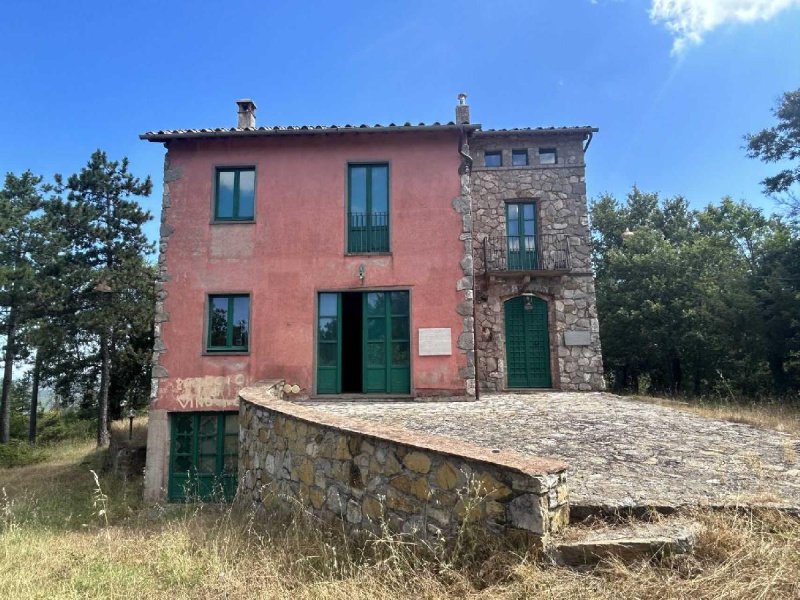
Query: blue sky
[(672, 84)]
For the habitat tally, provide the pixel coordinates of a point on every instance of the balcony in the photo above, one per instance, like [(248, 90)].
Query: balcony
[(367, 232), (545, 255)]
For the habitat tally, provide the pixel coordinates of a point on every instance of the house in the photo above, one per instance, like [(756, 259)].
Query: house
[(380, 262)]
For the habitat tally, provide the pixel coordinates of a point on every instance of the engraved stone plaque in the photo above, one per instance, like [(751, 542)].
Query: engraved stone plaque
[(435, 341), (577, 338)]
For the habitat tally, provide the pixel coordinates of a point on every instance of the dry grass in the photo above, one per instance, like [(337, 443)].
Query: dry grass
[(780, 416), (55, 542), (120, 432)]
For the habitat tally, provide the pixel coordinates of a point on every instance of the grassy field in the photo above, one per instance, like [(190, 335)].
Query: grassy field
[(780, 416), (65, 534)]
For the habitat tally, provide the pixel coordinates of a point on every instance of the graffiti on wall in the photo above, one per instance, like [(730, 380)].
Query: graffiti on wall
[(199, 393)]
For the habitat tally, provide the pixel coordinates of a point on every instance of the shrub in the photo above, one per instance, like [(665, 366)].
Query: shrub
[(17, 453), (58, 426)]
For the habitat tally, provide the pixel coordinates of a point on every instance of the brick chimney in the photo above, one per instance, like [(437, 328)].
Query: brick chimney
[(247, 114), (462, 110)]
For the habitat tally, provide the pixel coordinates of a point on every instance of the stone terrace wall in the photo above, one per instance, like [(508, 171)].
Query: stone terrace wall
[(367, 474), (560, 194)]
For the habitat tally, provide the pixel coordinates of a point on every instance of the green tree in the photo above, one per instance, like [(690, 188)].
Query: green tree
[(104, 222), (781, 143), (694, 301), (21, 238)]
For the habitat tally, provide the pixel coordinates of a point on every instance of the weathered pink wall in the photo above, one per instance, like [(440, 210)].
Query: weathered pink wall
[(296, 247)]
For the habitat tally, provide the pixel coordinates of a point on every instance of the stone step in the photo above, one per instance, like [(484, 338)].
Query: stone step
[(581, 546)]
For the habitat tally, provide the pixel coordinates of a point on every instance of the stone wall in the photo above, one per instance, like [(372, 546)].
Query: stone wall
[(156, 471), (368, 475), (560, 194), (465, 309)]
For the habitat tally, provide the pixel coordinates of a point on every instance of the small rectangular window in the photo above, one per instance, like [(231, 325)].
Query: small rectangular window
[(235, 194), (547, 156), (228, 323), (493, 158), (519, 158)]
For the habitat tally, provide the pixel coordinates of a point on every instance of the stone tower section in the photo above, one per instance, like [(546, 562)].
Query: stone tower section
[(535, 308)]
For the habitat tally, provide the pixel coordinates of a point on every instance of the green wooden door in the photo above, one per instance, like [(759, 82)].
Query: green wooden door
[(329, 344), (204, 455), (527, 343), (521, 236), (387, 363)]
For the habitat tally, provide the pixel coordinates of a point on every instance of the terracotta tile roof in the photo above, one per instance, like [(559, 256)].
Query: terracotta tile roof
[(169, 134), (524, 130)]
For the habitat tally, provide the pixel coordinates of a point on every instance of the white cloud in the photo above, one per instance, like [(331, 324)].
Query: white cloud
[(690, 20)]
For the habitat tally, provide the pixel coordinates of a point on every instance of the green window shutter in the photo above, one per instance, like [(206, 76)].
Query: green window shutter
[(400, 336), (376, 346), (368, 208), (387, 364), (234, 194), (329, 344), (228, 323)]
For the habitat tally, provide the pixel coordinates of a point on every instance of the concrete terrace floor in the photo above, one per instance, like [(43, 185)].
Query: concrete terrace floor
[(621, 453)]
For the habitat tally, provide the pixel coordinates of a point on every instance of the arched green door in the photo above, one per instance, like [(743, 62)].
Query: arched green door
[(527, 343)]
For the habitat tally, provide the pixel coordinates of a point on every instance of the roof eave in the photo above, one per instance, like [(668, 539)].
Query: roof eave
[(164, 136), (539, 131)]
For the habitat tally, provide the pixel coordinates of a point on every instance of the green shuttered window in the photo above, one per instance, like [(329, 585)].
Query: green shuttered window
[(228, 323), (521, 238), (368, 208), (234, 198), (204, 456)]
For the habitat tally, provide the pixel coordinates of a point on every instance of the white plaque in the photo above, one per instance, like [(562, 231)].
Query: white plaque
[(435, 341), (577, 338)]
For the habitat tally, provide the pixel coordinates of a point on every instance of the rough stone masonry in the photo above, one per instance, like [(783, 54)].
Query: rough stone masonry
[(370, 476), (559, 192)]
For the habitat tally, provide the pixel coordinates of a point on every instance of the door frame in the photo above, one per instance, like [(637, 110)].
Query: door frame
[(552, 334), (411, 338)]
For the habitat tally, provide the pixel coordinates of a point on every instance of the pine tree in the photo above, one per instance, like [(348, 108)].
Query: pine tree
[(104, 222), (21, 238)]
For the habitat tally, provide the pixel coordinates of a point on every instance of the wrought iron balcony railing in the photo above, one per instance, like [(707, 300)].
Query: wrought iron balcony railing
[(368, 232), (547, 253)]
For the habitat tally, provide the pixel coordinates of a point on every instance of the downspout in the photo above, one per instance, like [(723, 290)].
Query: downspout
[(466, 169), (466, 163), (588, 141)]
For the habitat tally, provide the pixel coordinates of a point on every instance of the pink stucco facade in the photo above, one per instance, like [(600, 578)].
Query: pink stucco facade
[(296, 248)]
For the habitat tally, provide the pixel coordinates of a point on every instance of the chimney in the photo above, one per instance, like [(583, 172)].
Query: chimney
[(247, 114), (462, 110)]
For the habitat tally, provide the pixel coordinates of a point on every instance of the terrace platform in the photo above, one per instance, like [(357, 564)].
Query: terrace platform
[(622, 454)]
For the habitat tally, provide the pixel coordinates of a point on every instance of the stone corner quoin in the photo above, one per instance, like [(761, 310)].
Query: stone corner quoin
[(369, 475)]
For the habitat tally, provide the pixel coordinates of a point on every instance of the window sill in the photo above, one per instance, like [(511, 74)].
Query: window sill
[(367, 253), (225, 353), (233, 222)]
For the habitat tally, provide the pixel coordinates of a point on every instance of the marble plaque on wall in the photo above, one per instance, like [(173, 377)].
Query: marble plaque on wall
[(435, 341), (577, 338)]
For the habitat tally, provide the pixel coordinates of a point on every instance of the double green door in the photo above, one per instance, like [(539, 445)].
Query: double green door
[(204, 454), (384, 330), (527, 343)]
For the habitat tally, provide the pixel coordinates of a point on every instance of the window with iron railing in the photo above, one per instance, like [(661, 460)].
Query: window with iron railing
[(521, 239), (368, 208)]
